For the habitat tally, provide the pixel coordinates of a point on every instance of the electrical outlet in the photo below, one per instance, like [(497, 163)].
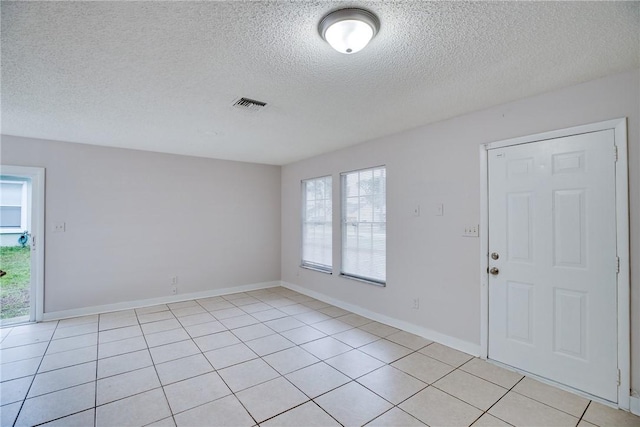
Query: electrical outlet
[(174, 289), (471, 231), (416, 304), (416, 210), (174, 280), (59, 227)]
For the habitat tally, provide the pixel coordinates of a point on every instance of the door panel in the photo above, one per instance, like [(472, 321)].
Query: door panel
[(552, 305), (568, 228), (520, 312)]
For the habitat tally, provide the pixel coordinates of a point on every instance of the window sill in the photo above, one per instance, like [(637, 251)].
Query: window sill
[(360, 279), (319, 270), (12, 231)]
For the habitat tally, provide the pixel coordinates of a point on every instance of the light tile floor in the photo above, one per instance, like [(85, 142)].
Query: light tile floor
[(269, 357)]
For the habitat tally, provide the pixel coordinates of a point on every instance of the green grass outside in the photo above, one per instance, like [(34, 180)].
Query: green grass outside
[(14, 286)]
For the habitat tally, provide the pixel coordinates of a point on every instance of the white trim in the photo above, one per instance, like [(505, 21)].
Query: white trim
[(127, 305), (634, 405), (37, 208), (456, 343), (484, 254), (622, 216), (622, 230), (559, 133)]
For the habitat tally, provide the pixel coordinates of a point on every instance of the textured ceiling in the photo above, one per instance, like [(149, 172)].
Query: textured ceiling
[(161, 76)]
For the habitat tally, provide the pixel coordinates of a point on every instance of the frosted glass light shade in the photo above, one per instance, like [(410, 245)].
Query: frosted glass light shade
[(349, 30)]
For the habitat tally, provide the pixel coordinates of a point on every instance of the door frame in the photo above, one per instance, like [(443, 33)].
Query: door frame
[(622, 245), (37, 176)]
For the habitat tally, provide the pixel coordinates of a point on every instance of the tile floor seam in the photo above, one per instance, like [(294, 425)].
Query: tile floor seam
[(464, 401), (190, 378), (427, 385), (285, 411), (119, 354), (584, 412), (168, 343), (64, 416), (166, 399), (59, 389), (129, 371), (502, 397), (325, 411), (68, 366), (325, 392), (548, 405), (72, 336), (34, 378), (477, 376), (200, 404), (455, 368), (125, 397), (399, 408), (233, 393), (95, 397)]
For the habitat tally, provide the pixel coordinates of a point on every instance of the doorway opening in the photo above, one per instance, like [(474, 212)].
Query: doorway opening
[(21, 244)]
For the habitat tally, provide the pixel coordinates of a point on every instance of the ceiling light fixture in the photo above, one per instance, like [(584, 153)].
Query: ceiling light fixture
[(349, 30)]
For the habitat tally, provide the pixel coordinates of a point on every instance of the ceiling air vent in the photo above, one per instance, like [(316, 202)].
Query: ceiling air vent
[(249, 104)]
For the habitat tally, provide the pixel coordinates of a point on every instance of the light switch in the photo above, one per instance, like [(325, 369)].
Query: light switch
[(439, 210), (471, 231), (416, 210), (59, 227)]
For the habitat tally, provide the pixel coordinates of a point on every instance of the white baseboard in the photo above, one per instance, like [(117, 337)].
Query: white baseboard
[(126, 305), (634, 403), (458, 344)]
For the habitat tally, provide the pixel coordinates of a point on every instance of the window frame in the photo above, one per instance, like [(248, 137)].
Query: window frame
[(23, 208), (310, 265), (343, 223)]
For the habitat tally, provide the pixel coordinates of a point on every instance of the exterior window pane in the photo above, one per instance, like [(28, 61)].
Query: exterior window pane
[(12, 206), (364, 228), (317, 230), (10, 216)]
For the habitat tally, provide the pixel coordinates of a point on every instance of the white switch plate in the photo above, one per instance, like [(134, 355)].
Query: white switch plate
[(416, 210), (471, 231), (439, 210), (59, 227)]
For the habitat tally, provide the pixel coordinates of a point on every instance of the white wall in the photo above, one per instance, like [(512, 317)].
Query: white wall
[(427, 258), (134, 219)]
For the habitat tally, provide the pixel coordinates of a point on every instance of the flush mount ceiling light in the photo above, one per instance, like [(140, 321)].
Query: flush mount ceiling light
[(349, 30)]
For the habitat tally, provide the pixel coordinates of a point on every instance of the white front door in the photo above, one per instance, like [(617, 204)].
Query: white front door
[(552, 246)]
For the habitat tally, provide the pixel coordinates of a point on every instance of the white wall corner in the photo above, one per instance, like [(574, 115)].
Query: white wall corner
[(127, 305), (455, 343)]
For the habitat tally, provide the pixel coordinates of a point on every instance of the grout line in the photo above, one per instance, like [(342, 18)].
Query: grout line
[(496, 402), (34, 378), (95, 397), (552, 407), (157, 376), (584, 412)]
